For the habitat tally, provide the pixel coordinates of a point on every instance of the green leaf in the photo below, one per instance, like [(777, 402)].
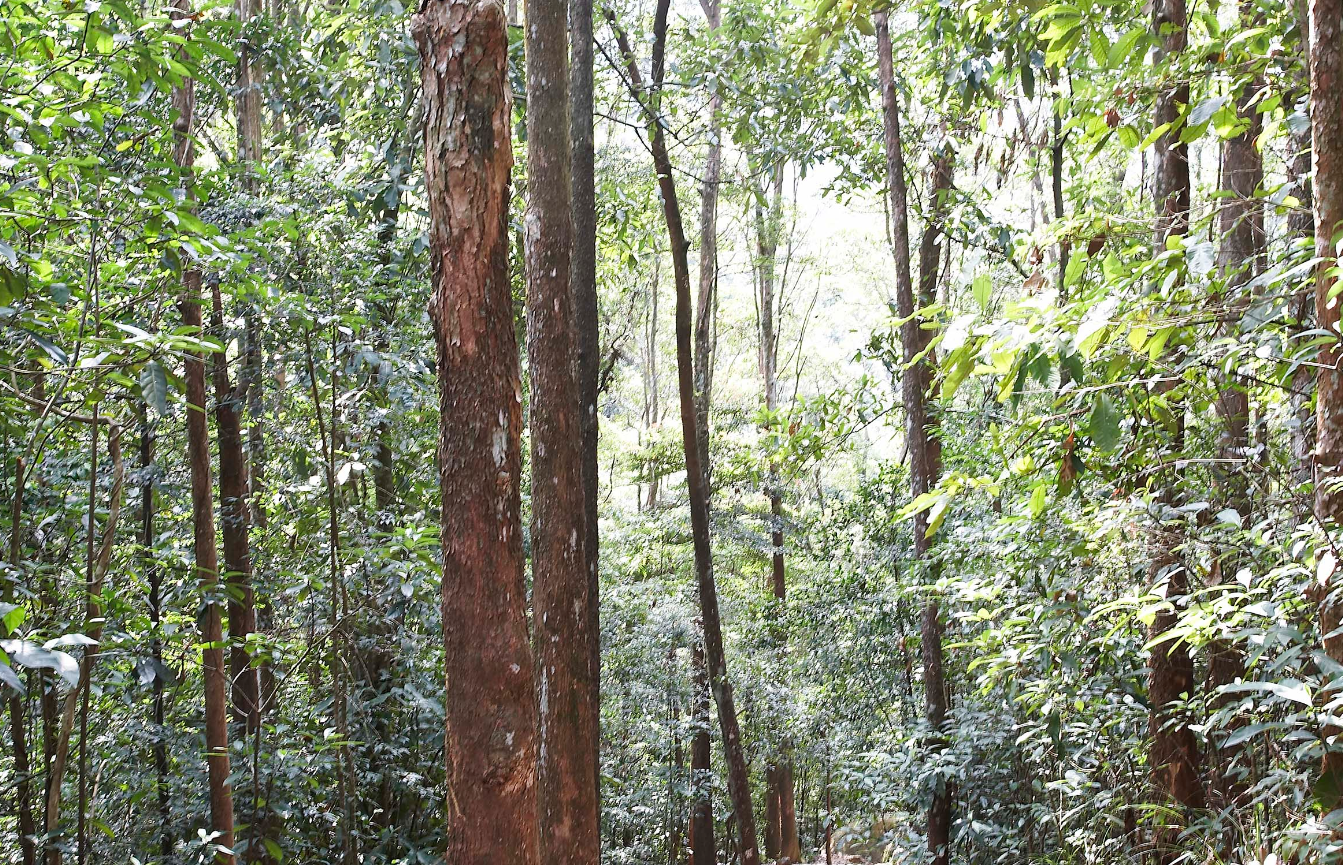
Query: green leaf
[(1037, 501), (274, 850), (982, 288), (154, 387), (1103, 425)]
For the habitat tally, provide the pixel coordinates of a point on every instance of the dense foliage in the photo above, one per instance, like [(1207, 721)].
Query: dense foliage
[(1125, 410)]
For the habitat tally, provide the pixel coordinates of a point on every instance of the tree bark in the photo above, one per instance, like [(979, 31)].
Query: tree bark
[(1326, 118), (155, 578), (925, 455), (567, 765), (708, 266), (1241, 258), (1174, 758), (233, 518), (490, 703), (738, 779), (583, 284), (202, 509), (93, 628), (781, 838), (701, 765)]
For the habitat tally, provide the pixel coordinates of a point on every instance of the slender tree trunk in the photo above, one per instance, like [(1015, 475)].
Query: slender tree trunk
[(781, 839), (701, 767), (567, 768), (202, 508), (233, 518), (708, 267), (916, 389), (1326, 118), (1174, 756), (93, 628), (207, 563), (155, 578), (18, 723), (1241, 258), (583, 284), (490, 702), (738, 779)]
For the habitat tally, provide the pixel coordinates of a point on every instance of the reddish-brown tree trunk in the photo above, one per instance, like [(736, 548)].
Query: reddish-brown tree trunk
[(1326, 118), (925, 456), (738, 779), (567, 744), (490, 703), (233, 518), (202, 510)]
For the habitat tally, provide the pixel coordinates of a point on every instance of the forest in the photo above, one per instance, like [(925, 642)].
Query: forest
[(626, 432)]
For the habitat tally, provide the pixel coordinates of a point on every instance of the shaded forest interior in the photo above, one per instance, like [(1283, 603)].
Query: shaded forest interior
[(634, 432)]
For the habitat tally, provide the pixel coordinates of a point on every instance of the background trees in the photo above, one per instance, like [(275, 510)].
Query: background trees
[(1050, 453)]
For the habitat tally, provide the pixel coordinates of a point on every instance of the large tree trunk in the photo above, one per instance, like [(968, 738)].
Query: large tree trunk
[(233, 517), (1326, 118), (925, 455), (583, 284), (490, 703), (202, 510), (738, 779), (566, 791), (1174, 758)]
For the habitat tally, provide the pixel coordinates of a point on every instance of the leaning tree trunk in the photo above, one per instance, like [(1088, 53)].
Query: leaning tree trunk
[(738, 779), (1174, 757), (490, 703), (567, 794), (916, 388), (1326, 118), (202, 511)]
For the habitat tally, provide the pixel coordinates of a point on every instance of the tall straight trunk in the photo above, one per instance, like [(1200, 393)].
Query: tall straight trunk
[(18, 721), (1174, 757), (567, 766), (583, 284), (708, 265), (1056, 154), (155, 578), (1301, 227), (781, 838), (738, 780), (202, 509), (701, 766), (251, 143), (490, 704), (93, 628), (233, 518), (1241, 257), (916, 390), (1326, 120)]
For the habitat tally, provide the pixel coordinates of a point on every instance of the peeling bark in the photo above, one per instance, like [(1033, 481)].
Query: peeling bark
[(490, 702)]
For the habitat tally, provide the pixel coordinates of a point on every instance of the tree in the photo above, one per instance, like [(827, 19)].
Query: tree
[(916, 388), (567, 741), (1326, 118), (696, 479), (490, 703)]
